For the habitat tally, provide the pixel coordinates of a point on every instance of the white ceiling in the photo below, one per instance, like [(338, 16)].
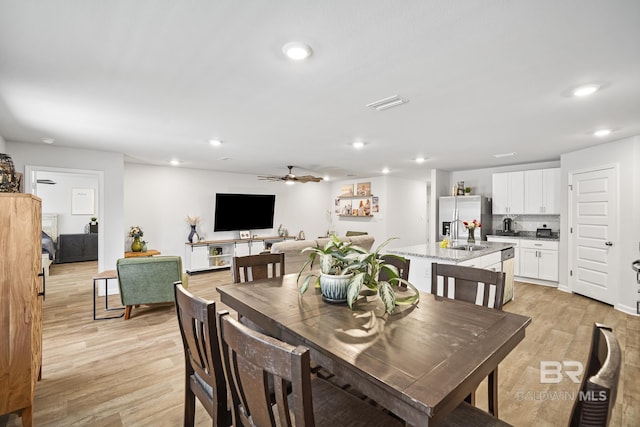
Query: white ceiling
[(155, 79)]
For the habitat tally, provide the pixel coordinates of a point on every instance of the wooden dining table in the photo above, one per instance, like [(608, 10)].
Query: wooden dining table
[(419, 362)]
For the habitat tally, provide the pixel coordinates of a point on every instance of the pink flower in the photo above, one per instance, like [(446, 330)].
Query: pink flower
[(472, 225)]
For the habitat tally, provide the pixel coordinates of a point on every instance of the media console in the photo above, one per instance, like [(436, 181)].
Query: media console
[(216, 254)]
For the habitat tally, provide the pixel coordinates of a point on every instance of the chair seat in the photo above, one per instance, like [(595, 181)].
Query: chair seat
[(467, 415), (333, 406)]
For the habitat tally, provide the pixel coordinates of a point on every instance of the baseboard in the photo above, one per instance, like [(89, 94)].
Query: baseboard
[(536, 281), (626, 309)]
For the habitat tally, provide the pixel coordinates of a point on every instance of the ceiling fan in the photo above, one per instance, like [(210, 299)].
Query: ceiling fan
[(290, 177)]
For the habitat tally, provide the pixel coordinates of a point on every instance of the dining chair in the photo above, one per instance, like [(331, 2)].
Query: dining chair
[(599, 382), (401, 263), (204, 372), (477, 286), (257, 267), (252, 358)]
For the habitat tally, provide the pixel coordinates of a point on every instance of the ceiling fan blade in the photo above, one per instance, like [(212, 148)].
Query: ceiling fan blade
[(308, 178)]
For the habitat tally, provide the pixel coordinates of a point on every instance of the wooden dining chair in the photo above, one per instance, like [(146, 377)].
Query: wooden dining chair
[(204, 373), (599, 382), (252, 358), (477, 286), (257, 267), (401, 263)]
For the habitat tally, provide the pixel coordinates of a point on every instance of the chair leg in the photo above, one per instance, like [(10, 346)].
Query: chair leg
[(127, 312), (493, 393), (189, 406)]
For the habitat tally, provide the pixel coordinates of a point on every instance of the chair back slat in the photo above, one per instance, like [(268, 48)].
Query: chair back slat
[(401, 263), (204, 374), (257, 267), (474, 285), (599, 387), (251, 361)]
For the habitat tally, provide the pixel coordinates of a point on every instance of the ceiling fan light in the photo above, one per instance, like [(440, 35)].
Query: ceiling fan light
[(289, 182), (215, 142)]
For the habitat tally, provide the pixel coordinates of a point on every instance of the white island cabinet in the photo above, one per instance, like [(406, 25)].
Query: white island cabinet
[(422, 256)]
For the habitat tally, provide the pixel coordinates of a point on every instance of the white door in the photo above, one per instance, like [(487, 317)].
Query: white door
[(499, 193), (529, 262), (548, 265), (533, 190), (594, 233)]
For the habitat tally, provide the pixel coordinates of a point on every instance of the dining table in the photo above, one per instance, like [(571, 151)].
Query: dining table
[(419, 362)]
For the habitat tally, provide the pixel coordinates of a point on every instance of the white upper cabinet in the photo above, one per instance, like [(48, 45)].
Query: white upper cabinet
[(508, 193), (542, 191)]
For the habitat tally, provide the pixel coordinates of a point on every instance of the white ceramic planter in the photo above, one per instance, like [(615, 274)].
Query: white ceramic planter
[(334, 288)]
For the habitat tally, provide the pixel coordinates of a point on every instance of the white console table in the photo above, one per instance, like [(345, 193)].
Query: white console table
[(216, 254)]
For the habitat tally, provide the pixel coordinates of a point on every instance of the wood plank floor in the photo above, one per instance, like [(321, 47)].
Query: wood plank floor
[(130, 373)]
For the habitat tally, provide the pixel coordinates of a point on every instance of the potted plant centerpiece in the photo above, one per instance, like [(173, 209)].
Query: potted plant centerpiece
[(346, 268)]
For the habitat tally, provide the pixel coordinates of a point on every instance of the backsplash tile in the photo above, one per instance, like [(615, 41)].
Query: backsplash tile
[(528, 222)]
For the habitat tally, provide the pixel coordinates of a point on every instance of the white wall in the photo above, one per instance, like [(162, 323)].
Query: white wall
[(626, 155), (402, 211), (159, 198), (56, 199), (112, 166), (3, 145)]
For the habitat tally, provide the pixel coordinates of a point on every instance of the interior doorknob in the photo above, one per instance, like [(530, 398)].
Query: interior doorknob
[(609, 243)]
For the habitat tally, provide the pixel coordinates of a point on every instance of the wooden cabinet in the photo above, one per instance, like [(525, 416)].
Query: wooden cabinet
[(539, 259), (542, 191), (77, 247), (508, 193), (21, 294)]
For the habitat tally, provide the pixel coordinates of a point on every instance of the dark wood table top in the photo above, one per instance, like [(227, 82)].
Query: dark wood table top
[(420, 362)]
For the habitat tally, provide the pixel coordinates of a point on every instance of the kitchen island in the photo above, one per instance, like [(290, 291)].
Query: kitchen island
[(488, 255)]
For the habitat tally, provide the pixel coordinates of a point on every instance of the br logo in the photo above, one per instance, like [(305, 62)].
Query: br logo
[(551, 371)]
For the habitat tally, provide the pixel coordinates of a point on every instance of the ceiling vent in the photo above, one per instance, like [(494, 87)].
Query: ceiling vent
[(383, 104)]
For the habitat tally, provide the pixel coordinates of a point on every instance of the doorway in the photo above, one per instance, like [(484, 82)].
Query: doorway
[(69, 222), (593, 233)]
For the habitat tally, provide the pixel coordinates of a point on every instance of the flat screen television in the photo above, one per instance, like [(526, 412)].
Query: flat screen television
[(243, 211)]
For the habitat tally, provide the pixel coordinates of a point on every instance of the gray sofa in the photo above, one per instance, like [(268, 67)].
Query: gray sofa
[(294, 259)]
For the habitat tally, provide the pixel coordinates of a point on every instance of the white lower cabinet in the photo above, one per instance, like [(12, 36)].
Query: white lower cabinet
[(212, 255), (539, 259)]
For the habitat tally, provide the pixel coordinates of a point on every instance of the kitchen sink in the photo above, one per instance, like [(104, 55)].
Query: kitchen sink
[(469, 247)]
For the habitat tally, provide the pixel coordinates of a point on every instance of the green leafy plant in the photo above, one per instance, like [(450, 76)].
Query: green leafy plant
[(341, 258)]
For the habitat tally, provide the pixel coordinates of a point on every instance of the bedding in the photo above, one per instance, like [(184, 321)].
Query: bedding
[(48, 246)]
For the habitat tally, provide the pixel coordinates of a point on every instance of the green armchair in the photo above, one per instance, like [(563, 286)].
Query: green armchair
[(148, 280)]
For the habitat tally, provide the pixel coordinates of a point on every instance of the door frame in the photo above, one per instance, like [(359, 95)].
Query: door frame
[(571, 239), (30, 186)]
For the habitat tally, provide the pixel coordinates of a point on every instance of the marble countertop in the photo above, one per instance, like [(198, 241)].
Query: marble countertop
[(455, 255)]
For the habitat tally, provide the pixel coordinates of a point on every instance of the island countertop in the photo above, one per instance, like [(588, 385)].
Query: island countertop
[(434, 251)]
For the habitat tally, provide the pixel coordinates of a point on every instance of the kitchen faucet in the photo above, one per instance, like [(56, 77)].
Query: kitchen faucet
[(453, 229)]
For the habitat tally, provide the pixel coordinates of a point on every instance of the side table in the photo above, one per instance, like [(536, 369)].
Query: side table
[(150, 252), (105, 275)]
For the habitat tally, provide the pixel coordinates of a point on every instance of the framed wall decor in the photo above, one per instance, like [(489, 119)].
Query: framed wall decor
[(363, 189), (346, 190), (82, 201), (375, 204)]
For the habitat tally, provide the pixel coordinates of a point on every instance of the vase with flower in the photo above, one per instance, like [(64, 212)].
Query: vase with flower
[(136, 233), (471, 227)]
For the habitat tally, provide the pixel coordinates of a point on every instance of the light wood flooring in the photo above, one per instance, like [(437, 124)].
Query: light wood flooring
[(130, 373)]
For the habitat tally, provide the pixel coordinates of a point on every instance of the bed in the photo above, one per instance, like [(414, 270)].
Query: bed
[(49, 238)]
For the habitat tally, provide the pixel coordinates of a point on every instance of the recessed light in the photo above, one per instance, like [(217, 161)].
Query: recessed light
[(585, 90), (297, 51), (48, 140), (420, 159), (602, 132), (500, 155), (174, 162), (215, 142), (358, 145), (385, 171)]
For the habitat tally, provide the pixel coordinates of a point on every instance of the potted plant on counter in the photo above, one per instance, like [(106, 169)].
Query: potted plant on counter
[(345, 269)]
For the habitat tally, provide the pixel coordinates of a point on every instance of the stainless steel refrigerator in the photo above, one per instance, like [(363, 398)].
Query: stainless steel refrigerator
[(467, 208)]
